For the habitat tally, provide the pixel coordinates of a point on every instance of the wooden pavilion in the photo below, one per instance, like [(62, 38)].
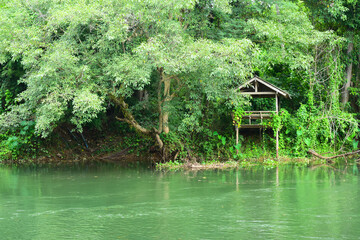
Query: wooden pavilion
[(259, 88)]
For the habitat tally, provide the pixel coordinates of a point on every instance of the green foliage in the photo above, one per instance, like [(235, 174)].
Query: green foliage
[(238, 114), (23, 142), (66, 61), (174, 143), (86, 106), (291, 34), (77, 52), (311, 128)]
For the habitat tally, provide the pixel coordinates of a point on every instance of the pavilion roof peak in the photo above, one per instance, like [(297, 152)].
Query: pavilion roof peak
[(259, 87)]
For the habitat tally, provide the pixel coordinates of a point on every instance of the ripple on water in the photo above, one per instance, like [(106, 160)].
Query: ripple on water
[(173, 206)]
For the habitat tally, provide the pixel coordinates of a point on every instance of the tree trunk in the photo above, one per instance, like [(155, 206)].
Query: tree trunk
[(164, 98), (358, 71), (357, 80), (129, 118), (166, 122), (355, 99), (160, 103), (345, 94), (163, 111)]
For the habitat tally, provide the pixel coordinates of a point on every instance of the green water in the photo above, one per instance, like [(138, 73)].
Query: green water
[(108, 202)]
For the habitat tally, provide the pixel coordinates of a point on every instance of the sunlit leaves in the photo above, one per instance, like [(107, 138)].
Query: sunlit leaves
[(287, 36), (86, 106), (49, 114), (128, 73)]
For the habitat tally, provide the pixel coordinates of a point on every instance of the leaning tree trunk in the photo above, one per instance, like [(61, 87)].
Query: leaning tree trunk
[(164, 98), (130, 119), (345, 94)]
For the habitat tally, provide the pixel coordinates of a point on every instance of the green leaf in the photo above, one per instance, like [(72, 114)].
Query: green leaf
[(223, 140), (355, 144), (231, 149)]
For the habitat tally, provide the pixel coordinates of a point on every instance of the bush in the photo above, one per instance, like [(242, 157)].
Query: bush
[(20, 142)]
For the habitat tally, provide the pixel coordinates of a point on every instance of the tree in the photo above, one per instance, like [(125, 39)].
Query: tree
[(342, 17), (77, 55)]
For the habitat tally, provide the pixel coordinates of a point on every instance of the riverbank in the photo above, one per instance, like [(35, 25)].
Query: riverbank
[(128, 159), (71, 149), (267, 163), (129, 150)]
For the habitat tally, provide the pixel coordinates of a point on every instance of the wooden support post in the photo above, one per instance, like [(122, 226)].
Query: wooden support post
[(237, 138), (277, 143), (277, 102)]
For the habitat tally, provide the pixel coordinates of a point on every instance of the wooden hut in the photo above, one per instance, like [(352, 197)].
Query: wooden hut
[(259, 88)]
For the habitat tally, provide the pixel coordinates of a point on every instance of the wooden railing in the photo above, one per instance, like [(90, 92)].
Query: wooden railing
[(256, 115)]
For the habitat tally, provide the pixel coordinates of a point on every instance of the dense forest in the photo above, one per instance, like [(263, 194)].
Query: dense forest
[(165, 73)]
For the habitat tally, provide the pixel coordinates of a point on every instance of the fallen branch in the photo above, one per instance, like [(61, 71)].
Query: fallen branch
[(332, 157)]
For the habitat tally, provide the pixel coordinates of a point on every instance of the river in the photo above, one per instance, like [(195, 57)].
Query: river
[(110, 202)]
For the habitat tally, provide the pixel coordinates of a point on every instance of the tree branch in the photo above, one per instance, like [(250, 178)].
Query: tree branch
[(312, 152)]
